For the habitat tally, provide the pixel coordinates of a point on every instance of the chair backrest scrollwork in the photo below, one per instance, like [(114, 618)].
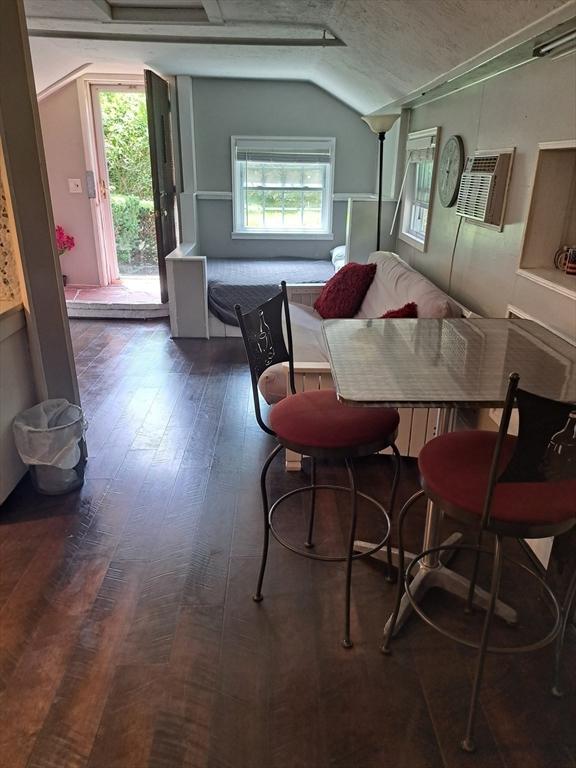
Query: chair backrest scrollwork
[(265, 343)]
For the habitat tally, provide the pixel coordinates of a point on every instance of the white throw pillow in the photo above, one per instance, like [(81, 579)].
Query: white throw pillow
[(338, 255)]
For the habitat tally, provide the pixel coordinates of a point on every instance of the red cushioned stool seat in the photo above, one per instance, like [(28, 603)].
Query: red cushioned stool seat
[(454, 468), (318, 420)]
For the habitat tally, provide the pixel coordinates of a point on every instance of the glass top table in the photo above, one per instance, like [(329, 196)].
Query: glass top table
[(444, 364)]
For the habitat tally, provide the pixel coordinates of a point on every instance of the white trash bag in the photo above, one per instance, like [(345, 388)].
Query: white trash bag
[(50, 439)]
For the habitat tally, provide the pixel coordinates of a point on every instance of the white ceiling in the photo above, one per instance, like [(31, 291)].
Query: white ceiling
[(392, 47)]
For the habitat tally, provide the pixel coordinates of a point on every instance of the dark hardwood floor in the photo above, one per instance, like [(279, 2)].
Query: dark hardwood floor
[(128, 637)]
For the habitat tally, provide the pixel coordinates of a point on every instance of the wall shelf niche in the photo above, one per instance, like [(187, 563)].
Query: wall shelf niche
[(551, 220)]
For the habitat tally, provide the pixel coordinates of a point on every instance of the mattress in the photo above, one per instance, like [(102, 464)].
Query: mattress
[(250, 282)]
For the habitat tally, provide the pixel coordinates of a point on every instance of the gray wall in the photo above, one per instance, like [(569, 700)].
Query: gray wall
[(532, 104), (223, 108)]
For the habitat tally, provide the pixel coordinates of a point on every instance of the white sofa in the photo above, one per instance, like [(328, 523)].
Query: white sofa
[(395, 284)]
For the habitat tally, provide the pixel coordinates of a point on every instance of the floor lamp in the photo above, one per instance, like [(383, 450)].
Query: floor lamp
[(379, 124)]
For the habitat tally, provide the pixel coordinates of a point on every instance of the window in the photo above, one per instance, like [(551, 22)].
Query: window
[(282, 187), (417, 187)]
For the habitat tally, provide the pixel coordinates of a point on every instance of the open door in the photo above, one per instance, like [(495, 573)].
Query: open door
[(161, 158)]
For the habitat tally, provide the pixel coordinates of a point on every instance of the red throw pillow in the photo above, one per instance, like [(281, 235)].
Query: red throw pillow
[(408, 310), (344, 293)]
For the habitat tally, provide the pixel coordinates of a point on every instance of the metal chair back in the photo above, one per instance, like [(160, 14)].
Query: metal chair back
[(264, 341), (539, 419)]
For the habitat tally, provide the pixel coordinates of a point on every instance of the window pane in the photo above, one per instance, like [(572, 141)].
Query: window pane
[(272, 209), (418, 220), (273, 175), (253, 174), (254, 210), (293, 199), (312, 215), (313, 199), (293, 176), (423, 181), (314, 176), (313, 210)]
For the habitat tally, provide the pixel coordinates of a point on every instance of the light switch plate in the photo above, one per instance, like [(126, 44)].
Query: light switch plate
[(74, 186)]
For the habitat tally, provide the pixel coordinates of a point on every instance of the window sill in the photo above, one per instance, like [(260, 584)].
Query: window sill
[(282, 236), (418, 244)]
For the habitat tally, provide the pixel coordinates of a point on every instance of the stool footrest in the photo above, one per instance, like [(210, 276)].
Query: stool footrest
[(327, 558)]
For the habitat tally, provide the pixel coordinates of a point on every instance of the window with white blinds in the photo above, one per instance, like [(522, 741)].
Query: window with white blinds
[(282, 186), (416, 191)]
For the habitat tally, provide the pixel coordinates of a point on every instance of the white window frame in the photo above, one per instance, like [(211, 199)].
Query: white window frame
[(418, 142), (239, 231)]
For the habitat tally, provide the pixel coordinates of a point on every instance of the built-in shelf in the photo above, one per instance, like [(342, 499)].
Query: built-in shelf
[(552, 278), (551, 222)]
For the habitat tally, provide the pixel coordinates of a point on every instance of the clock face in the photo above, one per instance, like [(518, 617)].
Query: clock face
[(450, 170)]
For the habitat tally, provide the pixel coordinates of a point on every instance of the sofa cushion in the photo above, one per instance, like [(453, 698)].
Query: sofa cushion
[(408, 310), (309, 347), (343, 294), (396, 283)]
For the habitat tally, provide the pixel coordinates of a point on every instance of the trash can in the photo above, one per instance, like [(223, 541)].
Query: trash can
[(50, 439)]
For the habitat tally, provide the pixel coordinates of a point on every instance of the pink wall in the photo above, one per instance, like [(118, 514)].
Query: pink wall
[(62, 134)]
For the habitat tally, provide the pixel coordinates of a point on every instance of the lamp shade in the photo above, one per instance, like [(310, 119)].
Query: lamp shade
[(380, 123)]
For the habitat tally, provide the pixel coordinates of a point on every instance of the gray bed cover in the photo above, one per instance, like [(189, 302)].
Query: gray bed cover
[(250, 282)]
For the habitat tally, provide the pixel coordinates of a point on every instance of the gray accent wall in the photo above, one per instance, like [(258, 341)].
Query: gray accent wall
[(534, 103), (224, 108)]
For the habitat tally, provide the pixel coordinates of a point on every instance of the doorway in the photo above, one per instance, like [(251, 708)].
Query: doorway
[(125, 188)]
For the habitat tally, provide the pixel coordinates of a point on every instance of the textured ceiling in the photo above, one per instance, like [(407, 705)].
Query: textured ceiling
[(392, 47)]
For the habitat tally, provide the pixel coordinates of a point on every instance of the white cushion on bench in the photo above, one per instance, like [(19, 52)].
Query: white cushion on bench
[(396, 283), (309, 347)]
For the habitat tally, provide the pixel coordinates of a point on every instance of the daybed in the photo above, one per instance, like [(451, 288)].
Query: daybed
[(203, 291), (395, 284), (251, 282)]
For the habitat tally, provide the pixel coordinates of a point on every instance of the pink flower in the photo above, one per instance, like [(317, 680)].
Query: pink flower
[(64, 242)]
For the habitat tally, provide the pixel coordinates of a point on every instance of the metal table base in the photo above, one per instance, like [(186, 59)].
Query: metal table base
[(438, 576), (433, 571)]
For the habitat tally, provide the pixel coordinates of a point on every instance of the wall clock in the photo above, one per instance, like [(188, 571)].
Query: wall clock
[(450, 170)]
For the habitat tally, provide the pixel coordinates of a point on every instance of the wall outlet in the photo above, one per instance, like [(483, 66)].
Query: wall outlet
[(74, 186)]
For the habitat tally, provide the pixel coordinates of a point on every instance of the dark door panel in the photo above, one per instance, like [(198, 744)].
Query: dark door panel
[(162, 159)]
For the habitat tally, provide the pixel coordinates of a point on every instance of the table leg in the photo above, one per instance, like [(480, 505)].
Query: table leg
[(433, 567), (364, 546), (433, 571), (444, 578), (458, 585), (445, 557)]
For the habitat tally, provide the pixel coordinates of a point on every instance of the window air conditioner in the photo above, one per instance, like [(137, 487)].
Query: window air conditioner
[(484, 187)]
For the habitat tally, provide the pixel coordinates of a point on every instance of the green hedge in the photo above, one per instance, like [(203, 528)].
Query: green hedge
[(134, 228)]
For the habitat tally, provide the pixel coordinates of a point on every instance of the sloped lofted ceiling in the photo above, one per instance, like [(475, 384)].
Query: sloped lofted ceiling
[(382, 51)]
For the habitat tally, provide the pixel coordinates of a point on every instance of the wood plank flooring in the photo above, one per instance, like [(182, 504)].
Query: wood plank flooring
[(128, 638)]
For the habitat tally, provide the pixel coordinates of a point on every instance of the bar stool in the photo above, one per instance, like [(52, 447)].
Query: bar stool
[(314, 424), (509, 487)]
